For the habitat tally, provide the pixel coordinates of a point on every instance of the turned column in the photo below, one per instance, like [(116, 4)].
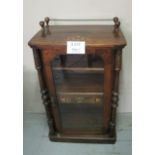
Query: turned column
[(47, 57), (44, 92), (115, 94)]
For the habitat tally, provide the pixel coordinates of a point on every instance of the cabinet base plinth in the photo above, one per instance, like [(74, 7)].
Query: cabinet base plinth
[(83, 138)]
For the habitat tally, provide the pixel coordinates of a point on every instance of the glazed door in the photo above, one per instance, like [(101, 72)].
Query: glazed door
[(79, 89)]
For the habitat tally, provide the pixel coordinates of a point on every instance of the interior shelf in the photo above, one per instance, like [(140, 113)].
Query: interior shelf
[(71, 82), (80, 69)]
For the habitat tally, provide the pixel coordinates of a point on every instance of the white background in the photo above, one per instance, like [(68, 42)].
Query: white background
[(36, 10)]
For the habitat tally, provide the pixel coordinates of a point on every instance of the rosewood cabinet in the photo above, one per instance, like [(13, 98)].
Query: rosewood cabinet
[(79, 91)]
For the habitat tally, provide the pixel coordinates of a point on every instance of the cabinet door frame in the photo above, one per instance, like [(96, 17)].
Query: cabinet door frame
[(107, 55)]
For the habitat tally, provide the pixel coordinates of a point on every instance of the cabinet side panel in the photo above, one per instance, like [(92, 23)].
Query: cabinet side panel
[(47, 57), (43, 89), (107, 87)]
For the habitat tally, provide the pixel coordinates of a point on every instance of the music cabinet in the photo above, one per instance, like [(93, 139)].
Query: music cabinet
[(79, 91)]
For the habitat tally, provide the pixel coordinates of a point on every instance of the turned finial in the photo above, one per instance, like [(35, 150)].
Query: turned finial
[(42, 24), (117, 24), (115, 19), (47, 19)]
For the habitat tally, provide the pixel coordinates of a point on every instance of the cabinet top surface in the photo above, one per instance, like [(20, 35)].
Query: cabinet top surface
[(93, 35)]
